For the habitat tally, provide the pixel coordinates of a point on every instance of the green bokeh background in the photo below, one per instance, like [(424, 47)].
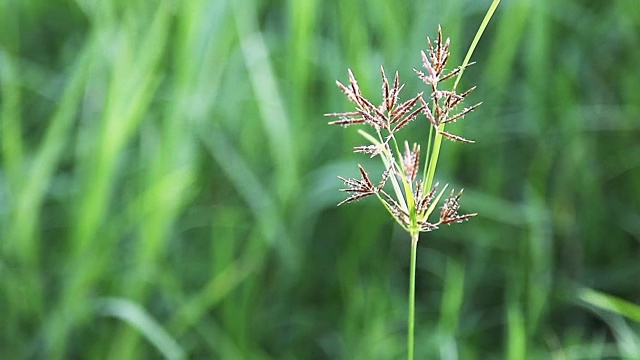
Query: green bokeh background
[(168, 182)]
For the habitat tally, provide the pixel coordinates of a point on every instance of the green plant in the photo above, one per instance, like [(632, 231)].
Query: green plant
[(414, 198)]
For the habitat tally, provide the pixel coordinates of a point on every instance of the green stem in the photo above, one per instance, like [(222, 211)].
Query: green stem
[(412, 294), (476, 39), (433, 162)]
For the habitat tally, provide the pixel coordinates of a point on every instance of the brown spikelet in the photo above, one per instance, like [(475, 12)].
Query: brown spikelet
[(373, 150), (424, 200), (457, 138), (403, 108), (461, 114), (449, 211), (429, 114), (348, 121), (411, 161)]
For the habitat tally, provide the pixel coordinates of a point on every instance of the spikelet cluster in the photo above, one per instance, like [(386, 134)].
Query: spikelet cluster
[(401, 189)]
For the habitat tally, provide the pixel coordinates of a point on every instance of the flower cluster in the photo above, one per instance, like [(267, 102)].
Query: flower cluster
[(415, 199)]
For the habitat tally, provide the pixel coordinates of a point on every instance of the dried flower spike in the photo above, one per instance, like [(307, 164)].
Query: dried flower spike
[(408, 199)]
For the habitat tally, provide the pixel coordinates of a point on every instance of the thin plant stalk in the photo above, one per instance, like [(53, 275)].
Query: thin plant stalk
[(412, 295), (476, 39)]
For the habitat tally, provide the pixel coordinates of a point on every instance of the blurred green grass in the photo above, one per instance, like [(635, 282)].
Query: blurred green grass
[(168, 182)]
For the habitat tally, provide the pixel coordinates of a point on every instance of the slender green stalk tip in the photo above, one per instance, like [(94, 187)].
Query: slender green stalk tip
[(412, 200)]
